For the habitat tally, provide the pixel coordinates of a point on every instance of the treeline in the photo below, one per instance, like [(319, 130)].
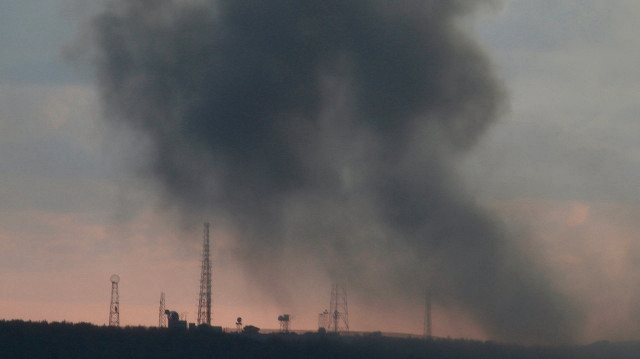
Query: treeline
[(19, 339)]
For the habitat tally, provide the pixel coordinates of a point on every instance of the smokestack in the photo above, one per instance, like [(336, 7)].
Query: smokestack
[(329, 127)]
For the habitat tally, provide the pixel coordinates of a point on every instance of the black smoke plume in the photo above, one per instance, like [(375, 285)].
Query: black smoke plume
[(325, 129)]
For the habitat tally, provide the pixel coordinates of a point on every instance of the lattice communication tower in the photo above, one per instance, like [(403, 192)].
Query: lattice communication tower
[(204, 305), (162, 317), (114, 311), (338, 310)]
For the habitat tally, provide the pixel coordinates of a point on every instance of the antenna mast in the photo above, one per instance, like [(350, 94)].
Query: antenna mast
[(162, 317), (204, 305), (339, 314), (114, 311)]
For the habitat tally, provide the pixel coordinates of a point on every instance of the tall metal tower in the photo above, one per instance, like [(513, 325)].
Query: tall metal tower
[(114, 312), (338, 311), (284, 323), (204, 305), (162, 317), (427, 315)]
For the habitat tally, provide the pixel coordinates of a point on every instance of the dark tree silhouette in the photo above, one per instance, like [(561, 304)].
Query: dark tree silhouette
[(19, 339)]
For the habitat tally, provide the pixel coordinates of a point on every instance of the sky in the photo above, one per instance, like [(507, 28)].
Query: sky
[(556, 169)]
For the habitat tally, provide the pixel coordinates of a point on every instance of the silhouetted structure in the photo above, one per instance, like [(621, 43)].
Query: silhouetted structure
[(162, 318), (114, 310), (239, 325), (174, 320), (338, 310), (250, 329), (204, 304), (323, 320), (284, 323)]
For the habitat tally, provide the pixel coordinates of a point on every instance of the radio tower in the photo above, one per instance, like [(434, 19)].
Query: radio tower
[(427, 315), (162, 317), (114, 312), (204, 305), (339, 314)]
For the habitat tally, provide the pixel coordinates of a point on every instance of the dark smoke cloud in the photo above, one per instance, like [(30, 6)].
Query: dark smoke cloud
[(325, 129)]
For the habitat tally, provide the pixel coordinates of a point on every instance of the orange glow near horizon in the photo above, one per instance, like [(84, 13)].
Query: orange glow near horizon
[(60, 272)]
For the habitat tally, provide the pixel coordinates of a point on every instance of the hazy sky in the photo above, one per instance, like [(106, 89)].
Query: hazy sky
[(559, 168)]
